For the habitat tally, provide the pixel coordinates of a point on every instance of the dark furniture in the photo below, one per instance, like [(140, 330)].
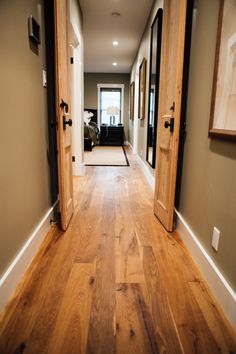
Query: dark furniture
[(88, 142), (112, 135)]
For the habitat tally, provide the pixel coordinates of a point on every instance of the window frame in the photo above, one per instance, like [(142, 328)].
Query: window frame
[(119, 86)]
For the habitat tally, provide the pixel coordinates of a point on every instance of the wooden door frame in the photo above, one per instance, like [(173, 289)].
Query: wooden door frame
[(51, 97)]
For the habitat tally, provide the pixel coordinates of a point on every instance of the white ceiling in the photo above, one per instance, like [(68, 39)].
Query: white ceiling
[(100, 29)]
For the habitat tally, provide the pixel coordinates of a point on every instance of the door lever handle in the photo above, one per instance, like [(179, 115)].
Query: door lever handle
[(170, 124)]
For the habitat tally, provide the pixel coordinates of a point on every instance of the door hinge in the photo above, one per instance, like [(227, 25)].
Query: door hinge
[(73, 158), (72, 60)]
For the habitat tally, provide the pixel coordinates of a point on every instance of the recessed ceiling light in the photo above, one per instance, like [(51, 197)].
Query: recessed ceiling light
[(115, 14), (115, 43), (114, 64)]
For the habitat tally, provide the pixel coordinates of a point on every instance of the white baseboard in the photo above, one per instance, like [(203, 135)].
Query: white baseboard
[(130, 146), (78, 169), (149, 176), (16, 270), (221, 289)]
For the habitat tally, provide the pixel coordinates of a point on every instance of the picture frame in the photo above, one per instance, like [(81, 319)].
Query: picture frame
[(223, 103), (142, 89), (132, 90)]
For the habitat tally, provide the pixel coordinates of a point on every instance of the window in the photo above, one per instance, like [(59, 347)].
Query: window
[(110, 104)]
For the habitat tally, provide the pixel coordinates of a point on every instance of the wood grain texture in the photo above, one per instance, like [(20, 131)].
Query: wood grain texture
[(166, 328), (64, 136), (134, 324), (115, 282), (170, 94), (101, 337), (71, 329)]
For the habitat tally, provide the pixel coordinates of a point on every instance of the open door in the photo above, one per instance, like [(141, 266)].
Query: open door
[(63, 109), (170, 97)]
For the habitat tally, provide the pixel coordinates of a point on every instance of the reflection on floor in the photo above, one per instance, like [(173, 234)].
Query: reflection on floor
[(114, 282)]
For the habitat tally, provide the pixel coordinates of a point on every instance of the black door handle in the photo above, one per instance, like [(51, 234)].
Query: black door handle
[(65, 122), (170, 124)]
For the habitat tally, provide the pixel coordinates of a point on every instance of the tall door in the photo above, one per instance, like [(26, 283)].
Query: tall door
[(171, 75), (63, 111)]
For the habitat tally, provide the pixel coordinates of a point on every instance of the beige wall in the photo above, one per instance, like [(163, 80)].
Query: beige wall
[(143, 52), (24, 177), (208, 196), (90, 91)]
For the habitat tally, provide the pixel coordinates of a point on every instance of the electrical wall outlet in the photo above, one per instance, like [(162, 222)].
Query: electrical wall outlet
[(215, 238)]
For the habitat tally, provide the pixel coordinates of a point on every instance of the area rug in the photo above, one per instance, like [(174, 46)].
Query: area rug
[(106, 156)]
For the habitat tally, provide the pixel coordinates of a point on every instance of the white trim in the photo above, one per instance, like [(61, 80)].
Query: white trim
[(221, 289), (78, 169), (19, 265), (111, 86), (149, 176), (130, 146), (99, 86), (126, 143)]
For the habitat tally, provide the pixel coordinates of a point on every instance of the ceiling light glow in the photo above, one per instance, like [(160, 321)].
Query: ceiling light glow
[(115, 43), (114, 64)]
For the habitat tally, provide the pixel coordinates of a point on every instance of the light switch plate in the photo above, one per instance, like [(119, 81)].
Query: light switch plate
[(215, 238)]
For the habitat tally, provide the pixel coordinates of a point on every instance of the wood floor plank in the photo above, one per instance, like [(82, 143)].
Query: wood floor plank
[(54, 287), (71, 329), (193, 330), (226, 340), (134, 325), (165, 327), (101, 335), (113, 226), (90, 237), (21, 313), (128, 262)]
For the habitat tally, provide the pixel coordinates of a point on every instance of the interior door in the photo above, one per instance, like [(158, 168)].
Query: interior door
[(171, 76), (63, 109)]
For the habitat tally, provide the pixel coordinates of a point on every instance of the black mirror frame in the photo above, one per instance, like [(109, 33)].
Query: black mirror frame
[(157, 18)]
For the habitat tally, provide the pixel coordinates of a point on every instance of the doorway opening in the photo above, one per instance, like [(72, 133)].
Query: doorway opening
[(104, 130)]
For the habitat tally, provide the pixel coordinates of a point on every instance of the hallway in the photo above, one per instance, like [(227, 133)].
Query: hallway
[(114, 282)]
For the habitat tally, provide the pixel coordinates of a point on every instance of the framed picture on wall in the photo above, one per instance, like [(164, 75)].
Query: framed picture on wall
[(132, 87), (223, 103), (142, 89)]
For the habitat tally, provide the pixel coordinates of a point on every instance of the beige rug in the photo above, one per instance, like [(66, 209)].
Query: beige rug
[(106, 156)]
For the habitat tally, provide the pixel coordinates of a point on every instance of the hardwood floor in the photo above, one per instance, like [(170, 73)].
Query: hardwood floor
[(114, 282)]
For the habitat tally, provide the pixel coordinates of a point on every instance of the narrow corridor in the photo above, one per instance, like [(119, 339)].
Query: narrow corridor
[(114, 282)]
